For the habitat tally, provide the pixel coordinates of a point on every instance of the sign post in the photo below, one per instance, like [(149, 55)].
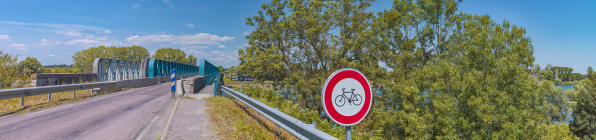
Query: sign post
[(173, 81), (347, 98), (242, 79)]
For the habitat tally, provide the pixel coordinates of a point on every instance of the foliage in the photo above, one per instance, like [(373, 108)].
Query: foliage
[(565, 73), (83, 60), (55, 65), (476, 70), (559, 101), (294, 39), (8, 68), (275, 99), (235, 121), (558, 132), (174, 55), (584, 114), (63, 70), (221, 69), (30, 66)]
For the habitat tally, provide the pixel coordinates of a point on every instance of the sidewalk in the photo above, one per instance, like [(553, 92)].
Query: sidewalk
[(190, 120)]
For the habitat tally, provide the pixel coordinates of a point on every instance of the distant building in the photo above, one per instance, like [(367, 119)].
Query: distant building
[(556, 73)]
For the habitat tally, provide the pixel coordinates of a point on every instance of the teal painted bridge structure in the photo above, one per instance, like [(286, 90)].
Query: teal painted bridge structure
[(115, 70)]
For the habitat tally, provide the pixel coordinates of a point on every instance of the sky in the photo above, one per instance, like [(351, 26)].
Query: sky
[(562, 32)]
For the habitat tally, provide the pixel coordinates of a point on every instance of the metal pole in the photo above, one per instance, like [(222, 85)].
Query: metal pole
[(241, 87), (173, 95), (348, 132), (258, 114), (278, 131), (73, 93), (49, 96), (22, 101)]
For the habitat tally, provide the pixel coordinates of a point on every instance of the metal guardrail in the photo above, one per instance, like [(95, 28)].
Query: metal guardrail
[(21, 92), (294, 126)]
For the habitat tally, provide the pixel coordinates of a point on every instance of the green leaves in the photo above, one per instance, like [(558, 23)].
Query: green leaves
[(84, 59), (445, 75), (295, 39), (174, 55), (30, 66), (8, 68), (584, 114)]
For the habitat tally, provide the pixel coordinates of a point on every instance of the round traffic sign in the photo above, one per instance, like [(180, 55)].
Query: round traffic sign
[(347, 96)]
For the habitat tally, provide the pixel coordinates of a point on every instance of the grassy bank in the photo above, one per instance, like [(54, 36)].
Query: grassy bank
[(36, 102), (234, 121)]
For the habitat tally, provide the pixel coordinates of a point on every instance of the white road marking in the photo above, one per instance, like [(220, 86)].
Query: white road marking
[(146, 128), (49, 109)]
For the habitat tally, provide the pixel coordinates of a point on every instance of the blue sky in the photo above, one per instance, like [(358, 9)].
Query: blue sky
[(562, 32)]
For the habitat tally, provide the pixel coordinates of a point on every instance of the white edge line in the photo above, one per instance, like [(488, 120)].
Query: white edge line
[(49, 109), (147, 128), (164, 133)]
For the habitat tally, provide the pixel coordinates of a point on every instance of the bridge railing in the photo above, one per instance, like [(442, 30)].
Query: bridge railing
[(208, 70), (294, 126), (114, 70)]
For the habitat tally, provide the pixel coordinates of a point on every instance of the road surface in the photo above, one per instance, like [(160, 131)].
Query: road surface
[(131, 114)]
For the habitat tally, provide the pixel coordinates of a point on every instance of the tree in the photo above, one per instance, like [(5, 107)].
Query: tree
[(221, 69), (584, 115), (8, 68), (30, 66), (590, 71), (559, 102), (191, 60), (294, 39), (174, 55), (83, 60), (447, 75)]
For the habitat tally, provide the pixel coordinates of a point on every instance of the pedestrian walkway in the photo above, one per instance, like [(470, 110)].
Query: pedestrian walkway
[(206, 92), (191, 120)]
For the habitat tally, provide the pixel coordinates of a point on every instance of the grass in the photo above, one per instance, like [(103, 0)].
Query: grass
[(31, 103), (234, 121), (188, 97)]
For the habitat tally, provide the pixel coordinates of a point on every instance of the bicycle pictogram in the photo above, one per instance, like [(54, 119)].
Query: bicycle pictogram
[(353, 98)]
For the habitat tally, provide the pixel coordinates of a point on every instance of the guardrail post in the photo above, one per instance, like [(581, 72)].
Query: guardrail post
[(22, 101), (258, 112), (278, 131), (314, 124), (49, 96), (73, 94)]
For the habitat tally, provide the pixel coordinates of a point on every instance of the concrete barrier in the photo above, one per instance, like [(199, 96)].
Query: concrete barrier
[(195, 84), (48, 79)]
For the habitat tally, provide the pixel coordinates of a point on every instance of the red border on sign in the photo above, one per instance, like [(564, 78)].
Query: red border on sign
[(341, 119)]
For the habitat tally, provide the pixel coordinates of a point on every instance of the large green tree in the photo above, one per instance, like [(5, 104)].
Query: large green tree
[(174, 55), (30, 66), (84, 59), (298, 43), (8, 68), (446, 75), (584, 113)]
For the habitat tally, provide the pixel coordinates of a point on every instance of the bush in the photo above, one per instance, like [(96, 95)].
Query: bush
[(584, 114)]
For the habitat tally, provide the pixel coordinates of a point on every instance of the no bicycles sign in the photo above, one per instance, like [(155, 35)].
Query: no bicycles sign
[(347, 96)]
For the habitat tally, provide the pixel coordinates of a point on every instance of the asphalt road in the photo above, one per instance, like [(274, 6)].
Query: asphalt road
[(131, 114)]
